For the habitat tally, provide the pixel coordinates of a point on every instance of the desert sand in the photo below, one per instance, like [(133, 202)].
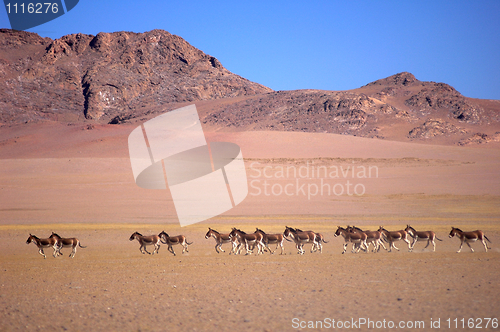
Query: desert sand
[(76, 180)]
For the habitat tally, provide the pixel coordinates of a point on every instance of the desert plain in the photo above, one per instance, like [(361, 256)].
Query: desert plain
[(76, 180)]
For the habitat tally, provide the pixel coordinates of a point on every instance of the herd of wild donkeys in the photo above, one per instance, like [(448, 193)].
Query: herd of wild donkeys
[(360, 240)]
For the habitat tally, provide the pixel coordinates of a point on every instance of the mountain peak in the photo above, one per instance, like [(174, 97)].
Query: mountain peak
[(400, 79), (107, 76)]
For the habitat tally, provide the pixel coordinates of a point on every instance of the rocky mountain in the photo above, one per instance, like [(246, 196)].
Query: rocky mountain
[(126, 77), (397, 107), (107, 77)]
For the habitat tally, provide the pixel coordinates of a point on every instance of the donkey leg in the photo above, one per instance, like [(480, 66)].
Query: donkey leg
[(413, 243), (409, 244), (72, 253), (356, 247), (365, 247), (247, 248), (144, 248), (391, 245), (260, 248), (470, 247), (57, 251), (485, 245)]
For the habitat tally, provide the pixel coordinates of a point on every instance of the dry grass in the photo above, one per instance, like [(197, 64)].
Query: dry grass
[(110, 285)]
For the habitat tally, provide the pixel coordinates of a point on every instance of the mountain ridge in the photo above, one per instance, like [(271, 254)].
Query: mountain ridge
[(127, 77)]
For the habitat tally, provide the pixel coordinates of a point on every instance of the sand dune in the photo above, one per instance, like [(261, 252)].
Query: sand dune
[(86, 177)]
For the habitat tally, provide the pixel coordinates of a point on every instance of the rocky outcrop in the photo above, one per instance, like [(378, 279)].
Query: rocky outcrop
[(435, 127), (442, 96), (480, 138), (304, 110), (429, 97), (402, 79)]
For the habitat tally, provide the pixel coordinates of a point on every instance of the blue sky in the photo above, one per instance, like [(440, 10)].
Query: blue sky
[(330, 45)]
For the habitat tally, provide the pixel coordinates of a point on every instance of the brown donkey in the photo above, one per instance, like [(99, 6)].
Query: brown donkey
[(220, 239), (357, 238), (268, 239), (468, 237), (173, 240), (44, 243), (428, 236), (302, 237), (72, 242), (148, 240), (394, 236)]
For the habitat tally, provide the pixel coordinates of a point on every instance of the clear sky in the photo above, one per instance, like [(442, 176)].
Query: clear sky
[(330, 45)]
